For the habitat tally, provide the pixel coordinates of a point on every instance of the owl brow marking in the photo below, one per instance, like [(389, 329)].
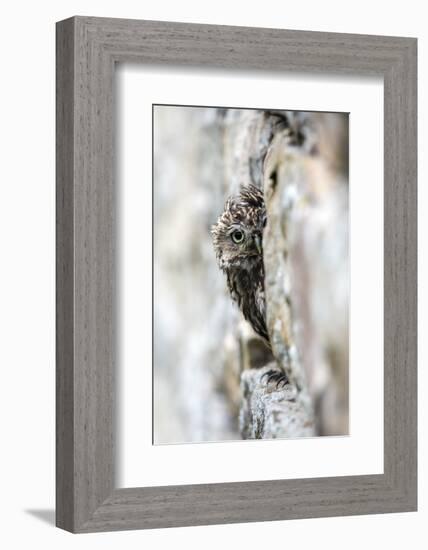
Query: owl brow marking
[(234, 227)]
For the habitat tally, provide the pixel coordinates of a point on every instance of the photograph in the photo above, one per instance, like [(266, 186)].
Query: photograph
[(250, 274)]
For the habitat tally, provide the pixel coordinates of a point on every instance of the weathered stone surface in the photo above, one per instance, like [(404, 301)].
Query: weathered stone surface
[(270, 412), (306, 262)]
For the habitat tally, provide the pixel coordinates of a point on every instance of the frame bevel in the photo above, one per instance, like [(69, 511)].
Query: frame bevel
[(87, 50)]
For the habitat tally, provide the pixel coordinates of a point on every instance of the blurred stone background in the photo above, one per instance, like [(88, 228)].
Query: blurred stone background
[(208, 363)]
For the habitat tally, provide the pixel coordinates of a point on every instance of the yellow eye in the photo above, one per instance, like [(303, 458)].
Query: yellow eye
[(238, 236)]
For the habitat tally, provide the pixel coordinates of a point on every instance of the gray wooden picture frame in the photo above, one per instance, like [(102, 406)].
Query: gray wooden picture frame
[(87, 50)]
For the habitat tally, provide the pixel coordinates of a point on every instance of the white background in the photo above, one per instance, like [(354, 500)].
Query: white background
[(27, 273), (362, 451)]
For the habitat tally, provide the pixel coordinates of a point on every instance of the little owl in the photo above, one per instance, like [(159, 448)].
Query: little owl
[(238, 241), (237, 238)]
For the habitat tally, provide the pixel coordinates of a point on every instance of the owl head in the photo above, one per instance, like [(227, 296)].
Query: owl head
[(238, 233)]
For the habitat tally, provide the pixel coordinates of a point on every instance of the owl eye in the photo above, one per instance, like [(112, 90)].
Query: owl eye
[(238, 236)]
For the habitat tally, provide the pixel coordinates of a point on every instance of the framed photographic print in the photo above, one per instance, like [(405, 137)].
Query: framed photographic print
[(236, 274)]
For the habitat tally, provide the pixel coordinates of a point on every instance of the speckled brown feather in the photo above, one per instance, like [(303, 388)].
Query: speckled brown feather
[(243, 263)]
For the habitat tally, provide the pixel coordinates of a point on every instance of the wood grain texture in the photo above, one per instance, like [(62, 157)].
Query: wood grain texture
[(64, 277), (87, 49)]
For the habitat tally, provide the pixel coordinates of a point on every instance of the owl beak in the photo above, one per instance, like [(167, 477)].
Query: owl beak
[(258, 243)]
